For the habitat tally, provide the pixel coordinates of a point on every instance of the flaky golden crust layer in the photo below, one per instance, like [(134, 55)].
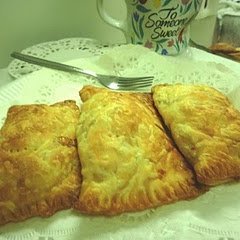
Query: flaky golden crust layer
[(39, 165), (205, 127), (128, 162)]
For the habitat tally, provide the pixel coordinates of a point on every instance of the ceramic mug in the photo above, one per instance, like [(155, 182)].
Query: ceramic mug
[(161, 25)]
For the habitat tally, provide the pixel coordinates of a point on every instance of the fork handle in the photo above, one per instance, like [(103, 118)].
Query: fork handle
[(51, 64)]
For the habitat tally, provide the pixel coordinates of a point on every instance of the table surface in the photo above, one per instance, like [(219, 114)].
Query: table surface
[(5, 78)]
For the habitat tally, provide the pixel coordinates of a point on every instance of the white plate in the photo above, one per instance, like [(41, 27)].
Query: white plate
[(214, 215)]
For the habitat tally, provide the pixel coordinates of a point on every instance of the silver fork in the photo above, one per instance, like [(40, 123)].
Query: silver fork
[(109, 81)]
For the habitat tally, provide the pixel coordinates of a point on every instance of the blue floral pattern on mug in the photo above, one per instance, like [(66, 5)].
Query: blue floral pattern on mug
[(161, 24)]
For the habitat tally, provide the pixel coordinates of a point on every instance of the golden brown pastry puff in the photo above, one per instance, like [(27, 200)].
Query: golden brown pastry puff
[(128, 162), (39, 166), (205, 127)]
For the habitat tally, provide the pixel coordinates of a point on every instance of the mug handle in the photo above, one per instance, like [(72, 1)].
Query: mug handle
[(121, 25)]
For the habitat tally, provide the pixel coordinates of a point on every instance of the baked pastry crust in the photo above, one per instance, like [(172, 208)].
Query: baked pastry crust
[(205, 127), (39, 165), (223, 47), (227, 49), (128, 162)]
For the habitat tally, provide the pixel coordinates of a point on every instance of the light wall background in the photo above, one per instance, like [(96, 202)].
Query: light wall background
[(24, 23)]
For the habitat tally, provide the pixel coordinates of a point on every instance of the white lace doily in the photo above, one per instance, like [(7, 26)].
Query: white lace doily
[(65, 49), (215, 215)]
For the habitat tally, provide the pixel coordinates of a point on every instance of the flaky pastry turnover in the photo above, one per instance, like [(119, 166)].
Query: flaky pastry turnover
[(39, 165), (205, 127), (128, 162)]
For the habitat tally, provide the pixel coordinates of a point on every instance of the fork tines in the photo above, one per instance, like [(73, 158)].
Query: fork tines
[(136, 82)]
